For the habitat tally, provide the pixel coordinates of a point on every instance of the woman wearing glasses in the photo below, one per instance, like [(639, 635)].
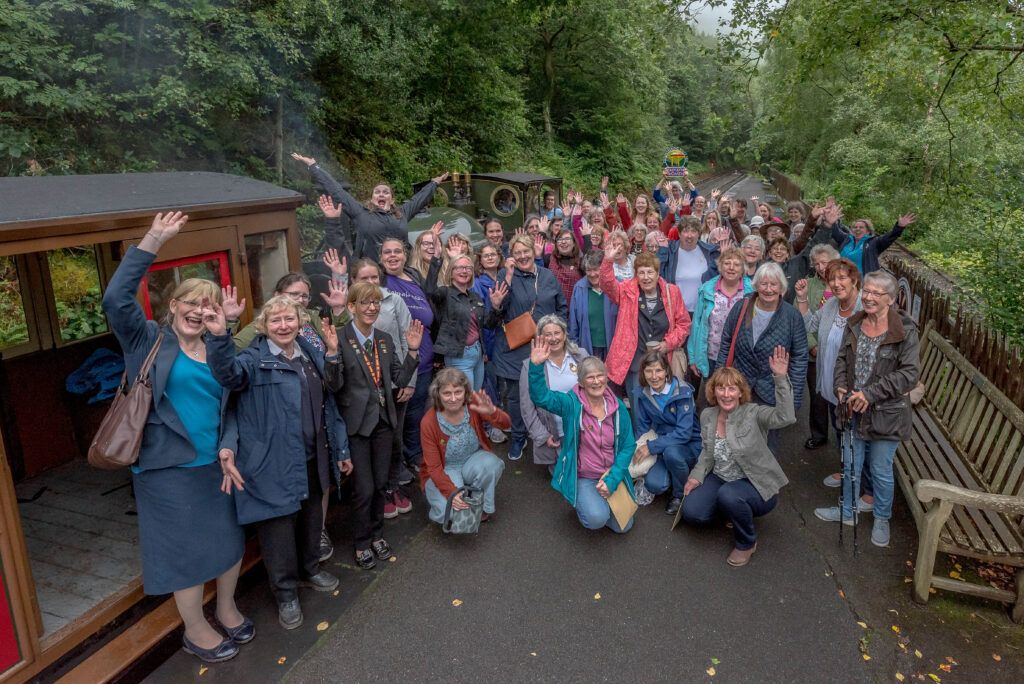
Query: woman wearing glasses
[(460, 311), (298, 287)]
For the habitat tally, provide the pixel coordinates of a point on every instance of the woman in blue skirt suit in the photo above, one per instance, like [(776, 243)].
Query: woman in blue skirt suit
[(188, 531)]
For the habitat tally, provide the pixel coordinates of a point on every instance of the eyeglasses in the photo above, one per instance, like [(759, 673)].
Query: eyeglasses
[(371, 304), (395, 252), (462, 268), (191, 303), (302, 297), (873, 293), (566, 240)]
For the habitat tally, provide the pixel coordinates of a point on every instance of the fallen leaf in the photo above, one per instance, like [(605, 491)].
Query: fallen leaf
[(934, 677), (280, 661), (908, 580), (951, 661), (946, 668), (202, 670), (533, 653), (918, 653), (322, 626), (842, 594), (716, 661), (931, 590), (955, 574), (900, 677), (597, 596), (866, 657), (996, 657), (520, 472), (710, 671), (392, 559), (457, 602), (896, 629), (863, 625), (958, 566), (336, 592)]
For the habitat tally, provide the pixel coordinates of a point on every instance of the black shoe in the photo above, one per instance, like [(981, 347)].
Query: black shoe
[(243, 633), (673, 506), (381, 549), (815, 443), (321, 581), (225, 650), (289, 614), (405, 476), (326, 547), (365, 559)]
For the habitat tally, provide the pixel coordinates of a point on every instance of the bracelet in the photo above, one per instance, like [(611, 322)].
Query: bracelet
[(801, 301)]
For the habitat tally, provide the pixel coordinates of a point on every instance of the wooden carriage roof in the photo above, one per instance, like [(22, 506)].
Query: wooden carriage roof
[(90, 200)]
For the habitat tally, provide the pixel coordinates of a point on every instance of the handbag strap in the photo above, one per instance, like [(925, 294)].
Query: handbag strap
[(151, 357), (736, 332), (447, 524)]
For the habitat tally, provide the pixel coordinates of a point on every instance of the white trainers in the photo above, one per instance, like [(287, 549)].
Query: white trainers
[(880, 533), (495, 435)]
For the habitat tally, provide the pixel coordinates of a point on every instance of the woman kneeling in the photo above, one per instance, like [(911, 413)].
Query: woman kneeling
[(456, 450), (737, 475), (594, 456)]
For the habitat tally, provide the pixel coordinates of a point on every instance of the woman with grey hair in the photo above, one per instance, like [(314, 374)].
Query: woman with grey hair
[(877, 367), (752, 247), (560, 371), (755, 328), (598, 444)]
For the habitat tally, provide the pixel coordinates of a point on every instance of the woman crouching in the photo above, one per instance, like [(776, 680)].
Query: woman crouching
[(737, 476), (598, 444), (456, 450)]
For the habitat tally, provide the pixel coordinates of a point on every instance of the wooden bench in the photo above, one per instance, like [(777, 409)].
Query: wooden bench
[(963, 474)]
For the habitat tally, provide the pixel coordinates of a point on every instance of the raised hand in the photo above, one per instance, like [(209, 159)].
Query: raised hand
[(499, 291), (585, 228), (620, 199), (577, 210), (338, 266), (800, 287), (328, 207), (779, 361), (330, 335), (457, 246), (436, 230), (544, 223), (308, 161), (538, 245), (614, 250), (442, 178), (213, 317), (539, 350), (715, 194), (833, 212), (481, 403), (661, 239), (232, 478), (337, 295), (604, 183), (229, 302), (754, 198), (906, 220), (604, 200), (414, 335), (166, 226)]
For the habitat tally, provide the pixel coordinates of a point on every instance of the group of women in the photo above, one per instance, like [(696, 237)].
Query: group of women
[(587, 343)]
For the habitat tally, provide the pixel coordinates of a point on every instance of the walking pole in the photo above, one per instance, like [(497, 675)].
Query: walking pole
[(853, 486), (841, 425)]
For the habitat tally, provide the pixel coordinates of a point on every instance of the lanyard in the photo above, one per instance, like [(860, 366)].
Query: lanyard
[(374, 368)]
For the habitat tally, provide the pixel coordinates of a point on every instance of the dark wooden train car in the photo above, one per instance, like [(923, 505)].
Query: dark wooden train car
[(68, 558)]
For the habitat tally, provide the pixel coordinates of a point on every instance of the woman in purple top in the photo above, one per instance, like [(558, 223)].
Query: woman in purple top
[(411, 403)]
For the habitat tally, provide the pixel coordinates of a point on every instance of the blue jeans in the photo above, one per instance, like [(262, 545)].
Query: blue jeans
[(631, 386), (508, 391), (879, 454), (481, 471), (414, 411), (866, 485), (471, 363), (738, 501), (670, 470), (592, 509)]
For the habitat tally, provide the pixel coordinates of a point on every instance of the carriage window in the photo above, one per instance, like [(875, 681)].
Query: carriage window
[(76, 292), (163, 278), (267, 258), (504, 200), (13, 326)]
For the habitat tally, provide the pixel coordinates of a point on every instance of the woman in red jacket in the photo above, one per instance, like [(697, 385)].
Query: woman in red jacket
[(456, 450), (651, 317)]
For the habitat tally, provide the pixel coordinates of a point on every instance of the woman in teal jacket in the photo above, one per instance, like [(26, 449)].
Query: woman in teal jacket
[(715, 299), (598, 443)]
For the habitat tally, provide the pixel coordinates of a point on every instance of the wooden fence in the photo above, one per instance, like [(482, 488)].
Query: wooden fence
[(988, 351), (788, 190)]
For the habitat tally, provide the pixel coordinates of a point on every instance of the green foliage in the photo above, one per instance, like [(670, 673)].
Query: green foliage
[(913, 105), (82, 318), (13, 327)]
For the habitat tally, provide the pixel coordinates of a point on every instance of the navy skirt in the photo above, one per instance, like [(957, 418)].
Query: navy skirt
[(188, 529)]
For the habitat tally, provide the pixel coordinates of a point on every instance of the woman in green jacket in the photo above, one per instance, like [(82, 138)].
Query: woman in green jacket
[(598, 443), (737, 476)]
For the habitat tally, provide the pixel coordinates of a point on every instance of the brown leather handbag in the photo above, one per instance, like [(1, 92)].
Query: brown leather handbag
[(116, 444), (736, 333), (677, 360), (522, 328)]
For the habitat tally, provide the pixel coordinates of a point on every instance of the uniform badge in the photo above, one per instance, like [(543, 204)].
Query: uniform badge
[(572, 367)]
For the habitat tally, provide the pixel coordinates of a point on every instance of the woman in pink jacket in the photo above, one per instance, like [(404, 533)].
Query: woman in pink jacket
[(652, 317)]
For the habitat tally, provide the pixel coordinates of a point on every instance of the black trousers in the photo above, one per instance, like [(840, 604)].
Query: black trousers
[(397, 446), (817, 411), (371, 464), (291, 543)]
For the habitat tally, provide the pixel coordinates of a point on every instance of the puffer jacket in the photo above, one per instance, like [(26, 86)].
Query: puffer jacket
[(896, 371), (372, 226)]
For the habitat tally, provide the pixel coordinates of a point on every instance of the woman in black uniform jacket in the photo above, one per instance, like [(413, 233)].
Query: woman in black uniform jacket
[(362, 362)]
